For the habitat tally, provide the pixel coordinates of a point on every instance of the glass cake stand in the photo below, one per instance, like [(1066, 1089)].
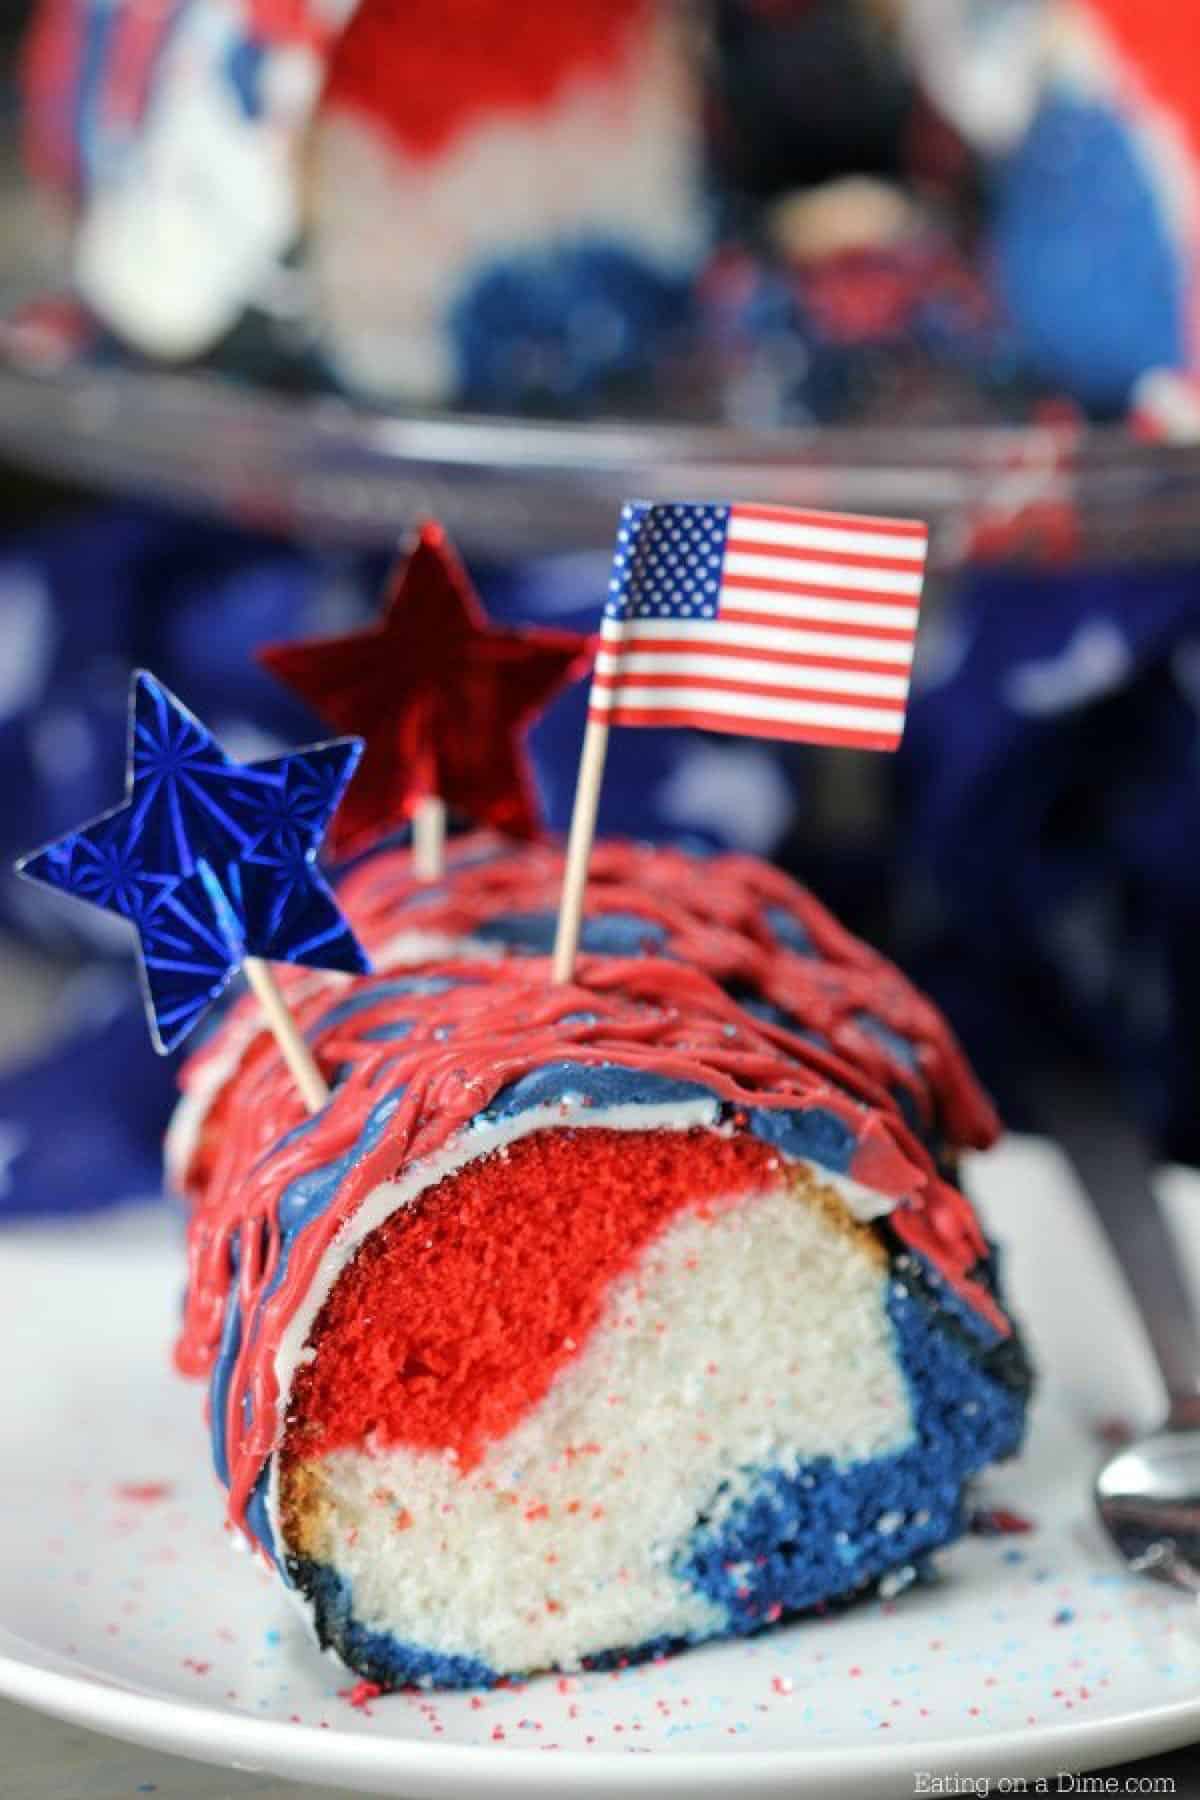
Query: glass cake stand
[(320, 467)]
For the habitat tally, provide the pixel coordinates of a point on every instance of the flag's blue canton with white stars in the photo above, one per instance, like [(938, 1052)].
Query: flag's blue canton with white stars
[(668, 562), (210, 860)]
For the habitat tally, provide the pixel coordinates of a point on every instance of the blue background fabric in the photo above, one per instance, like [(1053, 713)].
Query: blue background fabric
[(1030, 854)]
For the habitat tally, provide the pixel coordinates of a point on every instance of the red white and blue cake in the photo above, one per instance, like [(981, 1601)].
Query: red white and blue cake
[(588, 1322)]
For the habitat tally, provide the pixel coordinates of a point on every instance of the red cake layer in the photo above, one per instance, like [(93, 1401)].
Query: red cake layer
[(426, 73), (458, 1312)]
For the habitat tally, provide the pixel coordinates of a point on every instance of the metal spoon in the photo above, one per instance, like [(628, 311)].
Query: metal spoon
[(1148, 1494)]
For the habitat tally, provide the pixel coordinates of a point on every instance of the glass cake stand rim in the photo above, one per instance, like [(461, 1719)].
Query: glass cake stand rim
[(322, 467)]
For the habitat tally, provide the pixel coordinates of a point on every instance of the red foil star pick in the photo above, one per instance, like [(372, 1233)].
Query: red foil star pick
[(442, 698)]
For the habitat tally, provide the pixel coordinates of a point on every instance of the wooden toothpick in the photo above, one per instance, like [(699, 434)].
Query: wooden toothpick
[(292, 1046), (429, 839), (579, 849)]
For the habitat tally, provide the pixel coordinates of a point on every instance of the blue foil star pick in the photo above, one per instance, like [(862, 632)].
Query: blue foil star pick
[(209, 859)]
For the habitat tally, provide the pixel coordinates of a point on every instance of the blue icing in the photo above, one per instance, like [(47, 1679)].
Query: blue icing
[(256, 1514), (901, 1048), (815, 1134), (903, 1052), (604, 934), (307, 1197), (758, 1008), (789, 931), (363, 998), (377, 1653), (302, 1201), (599, 1085), (811, 1533), (883, 1034), (218, 1388), (218, 1397), (298, 1131)]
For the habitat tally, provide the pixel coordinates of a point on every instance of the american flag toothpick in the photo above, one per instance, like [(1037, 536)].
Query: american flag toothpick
[(762, 620)]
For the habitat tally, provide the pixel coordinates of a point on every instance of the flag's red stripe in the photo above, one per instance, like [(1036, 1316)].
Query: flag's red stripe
[(850, 559), (766, 690), (888, 634), (793, 658), (768, 728), (813, 590), (788, 515)]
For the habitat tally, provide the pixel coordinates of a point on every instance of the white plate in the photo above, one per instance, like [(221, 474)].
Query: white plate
[(123, 1607)]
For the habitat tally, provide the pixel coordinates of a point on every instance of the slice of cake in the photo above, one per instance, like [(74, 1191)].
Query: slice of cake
[(583, 1322)]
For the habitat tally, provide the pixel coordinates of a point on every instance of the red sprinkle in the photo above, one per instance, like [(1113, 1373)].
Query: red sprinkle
[(999, 1521), (361, 1695), (144, 1493)]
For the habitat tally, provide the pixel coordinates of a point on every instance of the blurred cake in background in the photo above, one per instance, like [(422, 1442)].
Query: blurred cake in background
[(1086, 115), (526, 213), (172, 130), (491, 200), (772, 211)]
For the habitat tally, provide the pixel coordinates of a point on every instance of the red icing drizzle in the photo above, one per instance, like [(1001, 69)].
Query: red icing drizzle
[(465, 1045), (714, 915)]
